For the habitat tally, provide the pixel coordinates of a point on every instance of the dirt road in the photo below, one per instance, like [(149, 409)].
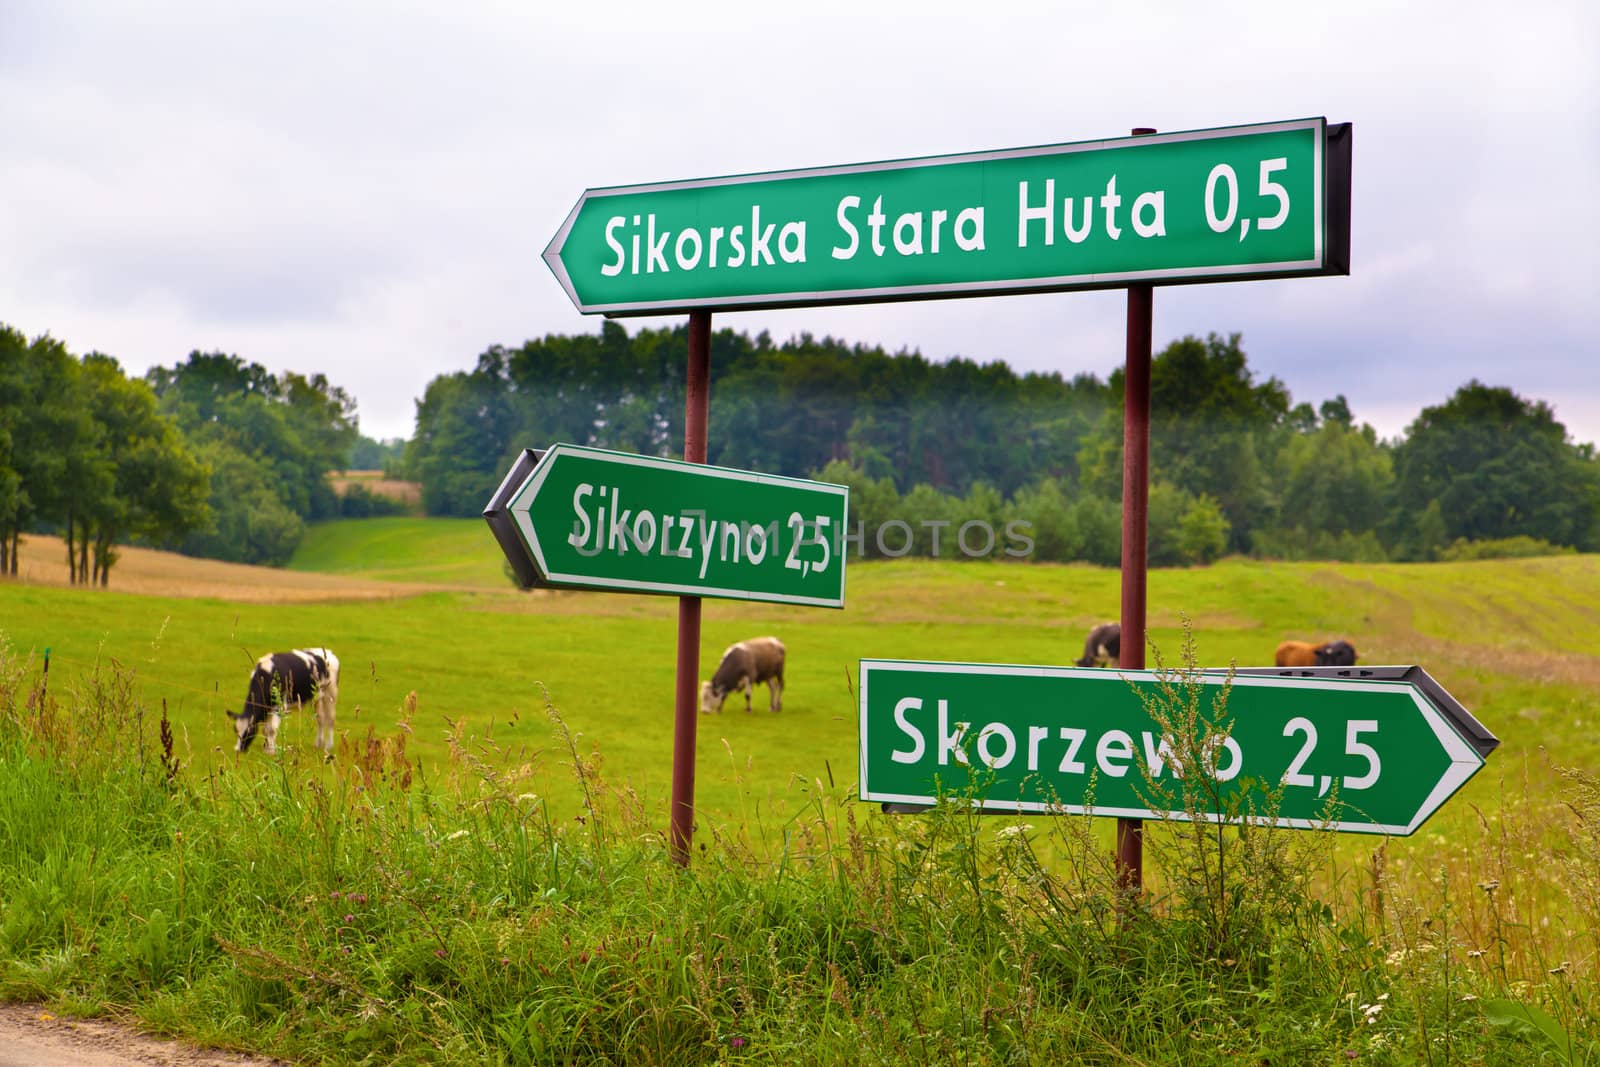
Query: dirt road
[(31, 1036)]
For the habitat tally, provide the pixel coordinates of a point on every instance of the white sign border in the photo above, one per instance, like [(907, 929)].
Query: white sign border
[(519, 503), (1464, 760), (1057, 283)]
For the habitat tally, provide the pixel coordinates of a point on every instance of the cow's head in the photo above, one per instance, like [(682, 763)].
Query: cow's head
[(711, 698), (245, 726), (1336, 654)]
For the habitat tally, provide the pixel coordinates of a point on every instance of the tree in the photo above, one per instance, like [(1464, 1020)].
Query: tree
[(1337, 479), (1099, 523), (157, 486), (933, 518), (1167, 506), (368, 454), (463, 444), (1496, 465), (1047, 509), (50, 435), (1213, 430), (13, 353), (290, 430), (873, 502), (1203, 531), (250, 523)]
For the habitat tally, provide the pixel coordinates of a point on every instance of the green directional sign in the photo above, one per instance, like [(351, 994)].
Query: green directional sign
[(1241, 202), (593, 519), (1368, 756)]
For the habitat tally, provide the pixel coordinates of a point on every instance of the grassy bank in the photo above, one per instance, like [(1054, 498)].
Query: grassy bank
[(386, 913), (1495, 898)]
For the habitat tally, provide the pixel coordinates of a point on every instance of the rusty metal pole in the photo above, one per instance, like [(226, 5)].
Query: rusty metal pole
[(686, 710), (1135, 534)]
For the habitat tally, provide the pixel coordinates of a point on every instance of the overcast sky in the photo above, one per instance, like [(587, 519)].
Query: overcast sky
[(365, 189)]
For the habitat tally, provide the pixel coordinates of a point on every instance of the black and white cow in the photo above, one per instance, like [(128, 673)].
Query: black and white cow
[(283, 682)]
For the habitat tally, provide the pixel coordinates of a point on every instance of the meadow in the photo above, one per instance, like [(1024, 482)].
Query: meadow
[(468, 707)]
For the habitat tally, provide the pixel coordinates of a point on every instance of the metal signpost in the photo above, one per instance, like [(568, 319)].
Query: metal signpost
[(1234, 203), (587, 518), (1376, 755)]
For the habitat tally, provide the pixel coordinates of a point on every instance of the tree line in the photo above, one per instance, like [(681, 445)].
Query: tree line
[(1237, 465), (214, 456)]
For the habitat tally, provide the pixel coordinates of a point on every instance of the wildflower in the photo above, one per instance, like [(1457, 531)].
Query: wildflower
[(333, 895), (349, 919), (441, 953), (458, 834), (1467, 998), (359, 898), (1475, 954), (1562, 969), (1489, 886), (1371, 1012), (736, 1041), (1005, 833)]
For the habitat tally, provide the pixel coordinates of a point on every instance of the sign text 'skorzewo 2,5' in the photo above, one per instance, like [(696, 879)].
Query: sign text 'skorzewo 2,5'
[(1372, 756)]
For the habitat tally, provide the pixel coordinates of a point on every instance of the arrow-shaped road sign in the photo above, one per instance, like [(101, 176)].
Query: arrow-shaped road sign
[(1264, 201), (1375, 755), (587, 518)]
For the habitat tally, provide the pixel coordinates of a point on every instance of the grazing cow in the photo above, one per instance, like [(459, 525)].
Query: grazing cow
[(744, 666), (1305, 654), (1336, 654), (1296, 654), (1104, 646), (283, 682)]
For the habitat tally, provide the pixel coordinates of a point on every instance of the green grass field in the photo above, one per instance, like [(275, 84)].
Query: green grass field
[(1497, 891), (443, 551), (1517, 641)]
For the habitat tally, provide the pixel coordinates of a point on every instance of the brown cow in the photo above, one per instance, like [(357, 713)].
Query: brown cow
[(746, 665), (1305, 654)]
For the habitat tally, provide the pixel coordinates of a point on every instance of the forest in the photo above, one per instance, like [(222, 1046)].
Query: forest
[(217, 456), (1237, 465), (212, 457)]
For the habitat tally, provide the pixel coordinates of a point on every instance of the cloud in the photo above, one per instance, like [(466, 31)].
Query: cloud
[(364, 189)]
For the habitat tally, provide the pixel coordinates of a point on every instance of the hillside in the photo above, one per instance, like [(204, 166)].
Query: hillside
[(148, 572), (422, 606)]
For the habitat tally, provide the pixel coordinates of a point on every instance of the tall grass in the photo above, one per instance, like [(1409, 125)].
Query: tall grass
[(381, 911)]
